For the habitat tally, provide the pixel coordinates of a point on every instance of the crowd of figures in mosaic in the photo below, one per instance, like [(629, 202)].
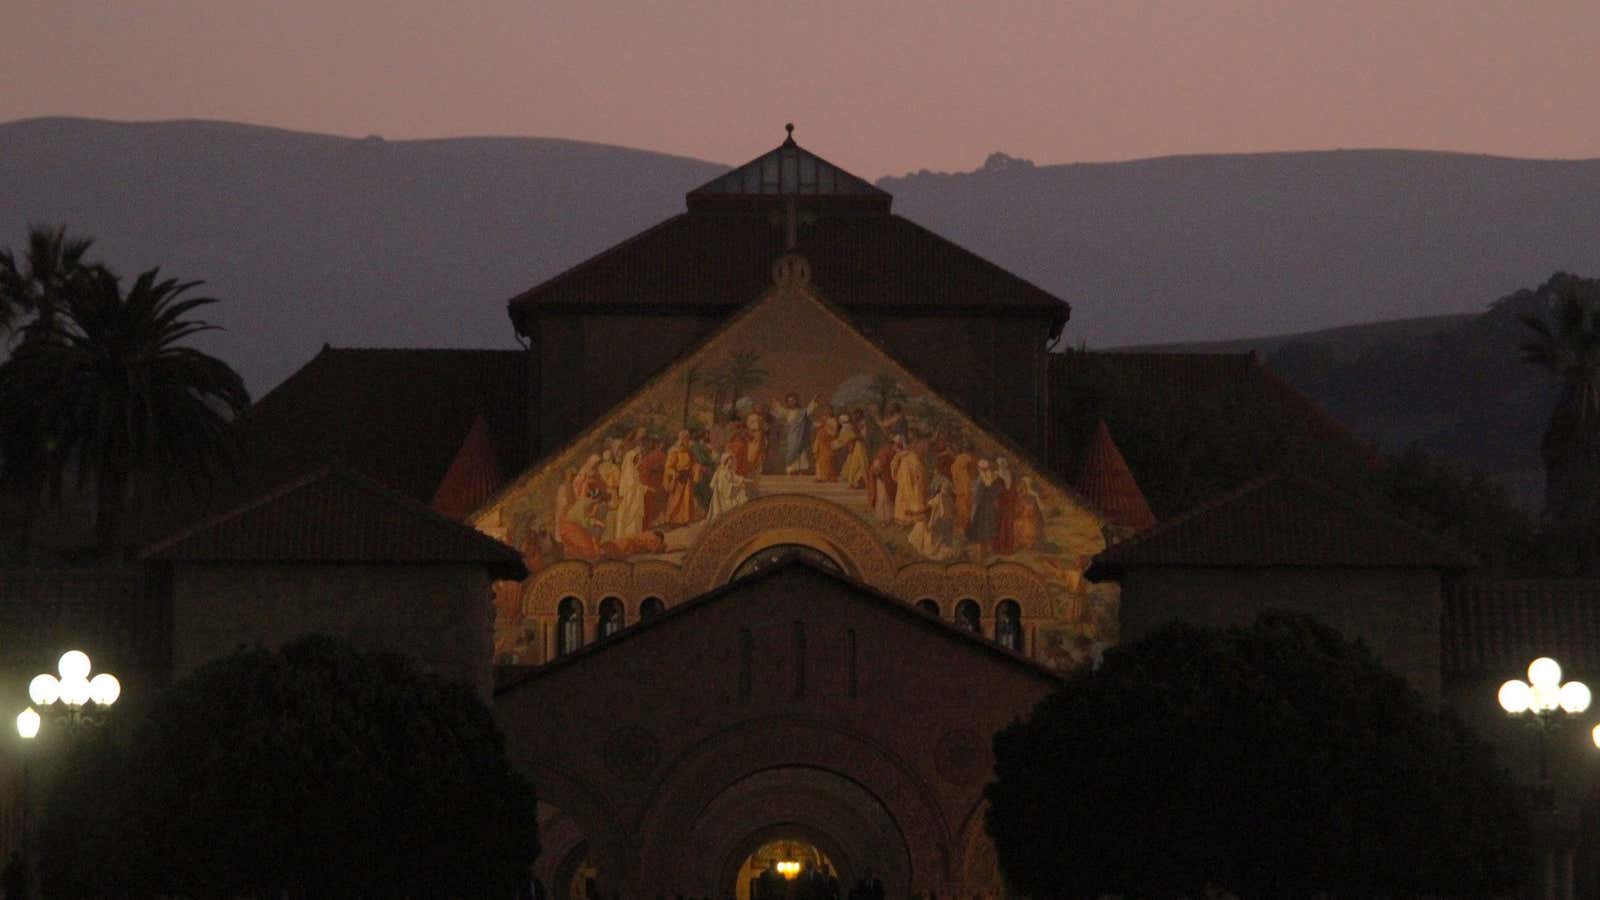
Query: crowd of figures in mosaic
[(791, 401)]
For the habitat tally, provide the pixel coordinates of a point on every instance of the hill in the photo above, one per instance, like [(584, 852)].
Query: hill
[(312, 238), (1196, 248)]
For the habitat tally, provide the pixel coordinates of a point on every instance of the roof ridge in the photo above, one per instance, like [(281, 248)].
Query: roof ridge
[(1347, 501), (348, 475), (283, 488), (993, 266), (591, 261)]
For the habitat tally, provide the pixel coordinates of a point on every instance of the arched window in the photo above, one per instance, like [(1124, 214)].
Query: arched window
[(1008, 625), (929, 606), (650, 608), (569, 625), (610, 616), (967, 615)]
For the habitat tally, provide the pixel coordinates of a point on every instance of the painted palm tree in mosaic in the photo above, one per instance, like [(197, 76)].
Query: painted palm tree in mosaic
[(108, 394)]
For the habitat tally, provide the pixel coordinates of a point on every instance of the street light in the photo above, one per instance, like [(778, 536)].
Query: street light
[(73, 690)]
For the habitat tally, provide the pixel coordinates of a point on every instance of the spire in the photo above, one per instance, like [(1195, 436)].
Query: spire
[(1104, 478)]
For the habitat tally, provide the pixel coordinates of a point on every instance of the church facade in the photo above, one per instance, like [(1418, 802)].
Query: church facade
[(768, 530)]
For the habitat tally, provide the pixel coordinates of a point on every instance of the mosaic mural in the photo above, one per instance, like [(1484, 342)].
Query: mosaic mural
[(789, 399)]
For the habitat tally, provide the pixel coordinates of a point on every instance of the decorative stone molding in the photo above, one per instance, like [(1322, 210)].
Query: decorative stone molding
[(1017, 582), (787, 519), (569, 578), (654, 578)]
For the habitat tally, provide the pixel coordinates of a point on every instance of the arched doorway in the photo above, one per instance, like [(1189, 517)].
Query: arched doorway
[(788, 866)]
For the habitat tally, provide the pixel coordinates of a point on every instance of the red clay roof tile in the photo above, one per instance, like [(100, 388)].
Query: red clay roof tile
[(1282, 520), (335, 515)]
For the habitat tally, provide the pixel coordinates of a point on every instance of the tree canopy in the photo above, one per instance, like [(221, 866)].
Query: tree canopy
[(1275, 761), (1564, 340), (103, 385), (314, 771)]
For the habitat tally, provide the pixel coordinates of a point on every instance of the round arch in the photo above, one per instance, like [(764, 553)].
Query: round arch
[(867, 806), (786, 519)]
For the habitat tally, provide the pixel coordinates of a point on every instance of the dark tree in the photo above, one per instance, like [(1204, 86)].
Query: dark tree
[(1568, 346), (107, 392), (316, 771), (52, 268), (1278, 761)]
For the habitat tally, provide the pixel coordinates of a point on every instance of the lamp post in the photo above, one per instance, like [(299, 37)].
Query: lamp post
[(1548, 703), (71, 699)]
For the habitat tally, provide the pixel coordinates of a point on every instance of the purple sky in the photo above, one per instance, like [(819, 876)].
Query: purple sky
[(879, 86)]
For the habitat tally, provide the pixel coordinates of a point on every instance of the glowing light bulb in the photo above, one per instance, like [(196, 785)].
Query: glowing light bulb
[(1516, 696)]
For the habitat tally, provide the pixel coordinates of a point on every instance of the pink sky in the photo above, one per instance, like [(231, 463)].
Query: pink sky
[(878, 86)]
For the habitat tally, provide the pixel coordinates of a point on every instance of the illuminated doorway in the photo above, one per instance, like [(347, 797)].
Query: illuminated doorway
[(792, 861)]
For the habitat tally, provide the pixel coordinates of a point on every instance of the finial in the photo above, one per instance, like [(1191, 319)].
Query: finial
[(789, 127)]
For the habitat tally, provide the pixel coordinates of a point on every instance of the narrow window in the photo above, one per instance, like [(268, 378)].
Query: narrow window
[(569, 625), (850, 650), (799, 659), (967, 615), (746, 657), (1008, 625), (650, 608), (611, 620)]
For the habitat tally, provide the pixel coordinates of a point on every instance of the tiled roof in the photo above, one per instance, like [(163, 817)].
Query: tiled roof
[(473, 477), (1495, 627), (1160, 404), (718, 262), (1105, 479), (1241, 374), (1283, 520), (396, 415), (337, 516)]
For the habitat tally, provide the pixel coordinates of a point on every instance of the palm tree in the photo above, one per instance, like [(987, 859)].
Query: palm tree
[(108, 392), (744, 372), (1571, 448), (51, 268)]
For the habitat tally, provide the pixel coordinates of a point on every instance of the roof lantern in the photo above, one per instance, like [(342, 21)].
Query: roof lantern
[(788, 172)]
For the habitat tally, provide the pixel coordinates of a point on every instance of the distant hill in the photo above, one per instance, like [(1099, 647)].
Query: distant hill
[(1196, 248), (313, 238)]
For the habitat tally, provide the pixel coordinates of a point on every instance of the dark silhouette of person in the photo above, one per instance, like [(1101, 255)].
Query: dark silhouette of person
[(15, 877), (770, 886)]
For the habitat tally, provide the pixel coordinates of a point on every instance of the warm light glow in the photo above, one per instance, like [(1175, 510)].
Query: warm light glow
[(28, 724), (1546, 697), (104, 689), (1575, 697), (1544, 672), (1596, 735), (1515, 696), (788, 868), (44, 690), (74, 691)]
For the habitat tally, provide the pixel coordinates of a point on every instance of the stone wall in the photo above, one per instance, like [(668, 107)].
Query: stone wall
[(439, 614), (656, 744), (1395, 611)]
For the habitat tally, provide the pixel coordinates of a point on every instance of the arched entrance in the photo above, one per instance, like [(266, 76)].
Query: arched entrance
[(787, 866), (831, 817)]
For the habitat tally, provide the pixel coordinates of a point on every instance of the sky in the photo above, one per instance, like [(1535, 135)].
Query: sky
[(881, 87)]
